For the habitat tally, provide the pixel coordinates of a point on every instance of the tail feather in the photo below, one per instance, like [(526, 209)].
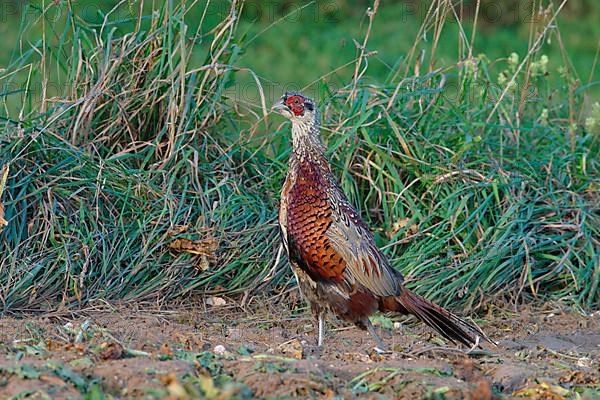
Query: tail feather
[(444, 322)]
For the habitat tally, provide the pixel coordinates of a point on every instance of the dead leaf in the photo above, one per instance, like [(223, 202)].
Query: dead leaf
[(111, 351), (292, 348), (165, 350), (400, 224), (482, 390), (189, 341), (207, 385), (579, 378), (177, 230), (543, 391), (53, 345), (206, 247), (175, 388), (203, 264), (412, 230), (374, 355)]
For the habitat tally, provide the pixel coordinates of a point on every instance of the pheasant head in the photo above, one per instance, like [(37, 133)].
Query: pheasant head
[(303, 114)]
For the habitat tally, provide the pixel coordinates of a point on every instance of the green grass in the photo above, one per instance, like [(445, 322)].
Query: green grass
[(478, 190)]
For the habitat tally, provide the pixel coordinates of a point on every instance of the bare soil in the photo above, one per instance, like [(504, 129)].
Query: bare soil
[(225, 352)]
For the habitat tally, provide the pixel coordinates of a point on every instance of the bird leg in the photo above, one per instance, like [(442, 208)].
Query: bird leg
[(321, 317), (381, 347), (317, 351)]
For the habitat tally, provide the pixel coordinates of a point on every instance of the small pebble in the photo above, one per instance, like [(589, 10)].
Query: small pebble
[(216, 301), (219, 349)]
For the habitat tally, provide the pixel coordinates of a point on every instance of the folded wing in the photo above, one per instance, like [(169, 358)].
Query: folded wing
[(365, 263)]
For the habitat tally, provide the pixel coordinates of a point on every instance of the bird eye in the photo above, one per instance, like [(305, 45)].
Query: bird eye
[(296, 101)]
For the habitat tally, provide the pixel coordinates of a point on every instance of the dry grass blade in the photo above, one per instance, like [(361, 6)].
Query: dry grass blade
[(3, 178)]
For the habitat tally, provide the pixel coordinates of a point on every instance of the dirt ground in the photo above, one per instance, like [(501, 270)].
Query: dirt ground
[(220, 352)]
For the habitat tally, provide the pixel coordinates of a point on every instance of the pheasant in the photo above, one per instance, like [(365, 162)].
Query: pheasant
[(332, 253)]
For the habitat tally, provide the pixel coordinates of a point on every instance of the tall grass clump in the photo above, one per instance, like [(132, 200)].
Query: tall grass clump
[(127, 159), (137, 173)]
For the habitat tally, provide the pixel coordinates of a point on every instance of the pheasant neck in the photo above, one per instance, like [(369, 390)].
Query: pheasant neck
[(306, 141)]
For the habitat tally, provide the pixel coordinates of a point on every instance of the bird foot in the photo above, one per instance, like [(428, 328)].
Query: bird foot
[(380, 348), (382, 351), (378, 354)]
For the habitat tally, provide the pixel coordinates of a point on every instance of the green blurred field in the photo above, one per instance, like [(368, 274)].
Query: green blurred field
[(293, 44)]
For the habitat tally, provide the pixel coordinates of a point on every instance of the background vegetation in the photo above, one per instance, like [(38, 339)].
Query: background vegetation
[(144, 164)]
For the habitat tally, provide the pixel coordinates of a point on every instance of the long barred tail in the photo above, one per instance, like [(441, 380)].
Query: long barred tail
[(444, 322)]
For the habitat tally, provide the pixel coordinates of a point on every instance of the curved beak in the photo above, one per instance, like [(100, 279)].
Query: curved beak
[(279, 106)]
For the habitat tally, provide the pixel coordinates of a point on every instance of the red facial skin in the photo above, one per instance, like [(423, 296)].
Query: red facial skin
[(295, 104)]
